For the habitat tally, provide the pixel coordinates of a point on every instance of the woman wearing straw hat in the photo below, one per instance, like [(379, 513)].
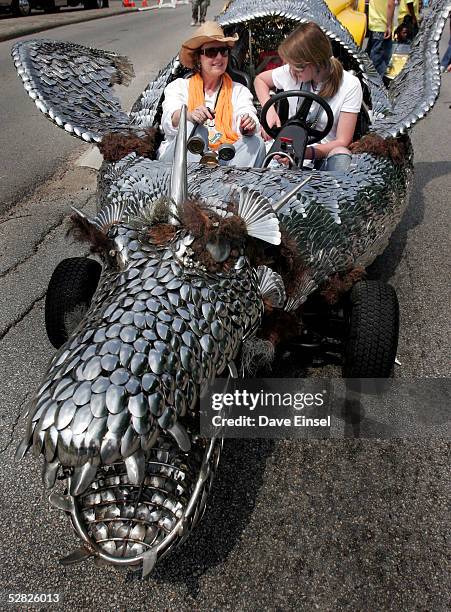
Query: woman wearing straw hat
[(222, 108)]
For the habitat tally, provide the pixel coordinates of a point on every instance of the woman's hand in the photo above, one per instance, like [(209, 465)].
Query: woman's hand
[(200, 115), (247, 125), (273, 121)]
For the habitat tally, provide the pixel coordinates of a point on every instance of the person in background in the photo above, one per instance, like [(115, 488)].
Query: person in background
[(445, 64), (403, 33), (309, 65), (222, 109), (380, 27), (409, 8), (199, 11)]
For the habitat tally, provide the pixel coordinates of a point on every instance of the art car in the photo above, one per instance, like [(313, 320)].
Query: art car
[(197, 268)]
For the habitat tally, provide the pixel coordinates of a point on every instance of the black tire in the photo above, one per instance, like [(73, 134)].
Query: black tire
[(372, 339), (21, 8), (69, 294), (93, 4)]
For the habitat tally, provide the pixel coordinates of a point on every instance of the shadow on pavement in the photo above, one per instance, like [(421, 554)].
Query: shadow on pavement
[(385, 266), (231, 504)]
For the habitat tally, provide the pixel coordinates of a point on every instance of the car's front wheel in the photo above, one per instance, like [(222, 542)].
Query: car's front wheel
[(69, 295)]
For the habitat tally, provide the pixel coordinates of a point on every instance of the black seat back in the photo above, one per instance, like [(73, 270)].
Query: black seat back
[(238, 75)]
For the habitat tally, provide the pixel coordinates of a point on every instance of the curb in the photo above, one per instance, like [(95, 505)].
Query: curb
[(18, 30)]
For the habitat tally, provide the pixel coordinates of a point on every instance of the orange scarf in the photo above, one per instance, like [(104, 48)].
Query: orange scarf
[(223, 110)]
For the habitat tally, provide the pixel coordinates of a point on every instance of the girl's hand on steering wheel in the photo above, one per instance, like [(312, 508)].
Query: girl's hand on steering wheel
[(200, 115), (273, 121)]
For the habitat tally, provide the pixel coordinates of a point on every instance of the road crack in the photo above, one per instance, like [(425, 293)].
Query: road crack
[(36, 246), (14, 425), (59, 224), (22, 316), (4, 221)]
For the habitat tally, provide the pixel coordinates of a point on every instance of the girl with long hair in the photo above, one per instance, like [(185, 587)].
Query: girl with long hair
[(310, 66)]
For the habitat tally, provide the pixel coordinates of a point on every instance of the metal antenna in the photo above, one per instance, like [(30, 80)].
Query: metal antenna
[(179, 174), (278, 205)]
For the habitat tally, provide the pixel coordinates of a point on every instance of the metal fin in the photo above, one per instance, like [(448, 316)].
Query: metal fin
[(271, 286), (61, 502), (149, 561), (110, 214), (82, 478), (79, 555), (136, 467), (22, 448), (180, 435), (278, 205), (49, 473), (81, 214), (179, 174), (259, 216), (26, 411)]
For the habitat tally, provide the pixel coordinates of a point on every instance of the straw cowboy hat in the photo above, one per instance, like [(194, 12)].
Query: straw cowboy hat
[(210, 31)]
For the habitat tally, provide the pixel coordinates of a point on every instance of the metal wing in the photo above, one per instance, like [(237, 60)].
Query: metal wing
[(145, 110), (72, 85), (415, 90)]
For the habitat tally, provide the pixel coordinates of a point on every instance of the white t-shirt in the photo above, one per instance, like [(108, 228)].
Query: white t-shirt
[(348, 98), (176, 94)]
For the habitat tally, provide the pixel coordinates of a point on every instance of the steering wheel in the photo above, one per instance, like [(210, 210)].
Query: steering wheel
[(301, 114)]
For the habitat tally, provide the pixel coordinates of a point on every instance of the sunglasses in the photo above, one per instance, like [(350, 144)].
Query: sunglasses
[(212, 52)]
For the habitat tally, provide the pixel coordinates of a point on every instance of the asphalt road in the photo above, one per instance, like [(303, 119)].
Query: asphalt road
[(31, 149), (323, 525)]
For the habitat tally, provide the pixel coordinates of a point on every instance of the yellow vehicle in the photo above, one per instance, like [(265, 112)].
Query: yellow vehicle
[(398, 59), (351, 14)]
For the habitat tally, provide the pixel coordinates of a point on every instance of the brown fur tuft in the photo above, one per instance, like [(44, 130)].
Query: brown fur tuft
[(206, 226), (195, 218), (116, 145), (83, 231), (339, 284), (278, 326), (161, 233), (395, 149), (232, 229)]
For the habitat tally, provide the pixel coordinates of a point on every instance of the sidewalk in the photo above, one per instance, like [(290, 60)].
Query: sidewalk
[(14, 27)]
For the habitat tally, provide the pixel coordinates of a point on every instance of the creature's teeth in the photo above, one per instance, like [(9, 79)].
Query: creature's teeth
[(149, 560), (136, 467), (61, 502), (82, 478)]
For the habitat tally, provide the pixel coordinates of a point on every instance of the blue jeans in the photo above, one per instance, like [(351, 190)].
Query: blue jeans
[(379, 49), (446, 59), (339, 162)]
